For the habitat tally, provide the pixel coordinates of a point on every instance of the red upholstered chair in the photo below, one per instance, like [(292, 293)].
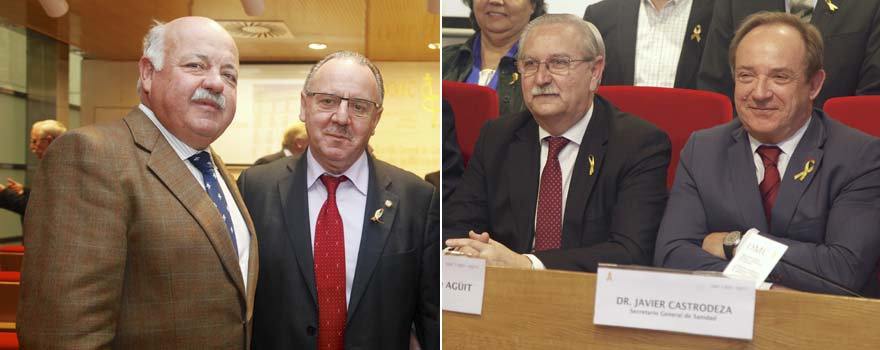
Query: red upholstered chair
[(860, 112), (12, 249), (8, 340), (679, 112), (473, 106)]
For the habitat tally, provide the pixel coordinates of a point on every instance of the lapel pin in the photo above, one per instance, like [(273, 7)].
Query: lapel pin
[(808, 168), (388, 203), (377, 216), (592, 161), (514, 79), (696, 34), (831, 6)]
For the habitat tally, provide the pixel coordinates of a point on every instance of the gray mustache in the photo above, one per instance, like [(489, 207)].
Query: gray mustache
[(539, 90), (205, 94), (338, 130)]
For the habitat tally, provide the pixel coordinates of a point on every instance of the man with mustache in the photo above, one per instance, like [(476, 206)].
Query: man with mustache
[(349, 244), (569, 183), (783, 167), (142, 240)]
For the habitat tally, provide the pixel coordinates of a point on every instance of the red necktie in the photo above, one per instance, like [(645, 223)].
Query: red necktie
[(770, 185), (548, 228), (330, 269)]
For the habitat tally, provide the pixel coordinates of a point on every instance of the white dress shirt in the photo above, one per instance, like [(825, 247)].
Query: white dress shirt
[(567, 157), (351, 200), (659, 39), (184, 151), (788, 5), (788, 146)]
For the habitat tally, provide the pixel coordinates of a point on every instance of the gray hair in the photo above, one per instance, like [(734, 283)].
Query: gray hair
[(154, 47), (49, 127), (594, 45), (361, 59)]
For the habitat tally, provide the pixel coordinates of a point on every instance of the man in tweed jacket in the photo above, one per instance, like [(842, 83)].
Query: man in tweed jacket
[(125, 248)]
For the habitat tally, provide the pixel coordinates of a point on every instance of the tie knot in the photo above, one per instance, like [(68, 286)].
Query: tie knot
[(202, 161), (556, 144), (769, 154), (331, 183)]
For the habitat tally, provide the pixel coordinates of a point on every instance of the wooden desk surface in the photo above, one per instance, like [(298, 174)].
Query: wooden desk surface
[(525, 309)]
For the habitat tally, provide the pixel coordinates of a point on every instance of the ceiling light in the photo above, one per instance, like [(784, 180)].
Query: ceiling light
[(253, 7), (54, 8), (317, 46), (434, 46)]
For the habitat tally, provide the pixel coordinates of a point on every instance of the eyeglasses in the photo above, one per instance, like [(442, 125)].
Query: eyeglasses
[(556, 65), (330, 103)]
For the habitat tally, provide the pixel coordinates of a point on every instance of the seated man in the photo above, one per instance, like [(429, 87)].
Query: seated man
[(14, 196), (600, 195), (784, 168)]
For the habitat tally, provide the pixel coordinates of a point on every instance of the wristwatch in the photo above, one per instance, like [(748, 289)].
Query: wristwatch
[(731, 241)]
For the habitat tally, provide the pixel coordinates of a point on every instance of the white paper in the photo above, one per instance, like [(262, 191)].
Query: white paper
[(671, 301), (463, 282), (755, 258)]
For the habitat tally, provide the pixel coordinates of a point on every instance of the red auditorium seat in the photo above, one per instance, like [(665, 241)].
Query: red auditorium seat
[(473, 106), (679, 112), (859, 112), (8, 340), (12, 249)]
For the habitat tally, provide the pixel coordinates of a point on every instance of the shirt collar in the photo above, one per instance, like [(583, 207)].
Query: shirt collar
[(670, 4), (357, 173), (787, 146), (183, 150), (576, 132)]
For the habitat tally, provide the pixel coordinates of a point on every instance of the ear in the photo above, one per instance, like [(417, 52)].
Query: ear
[(596, 73), (376, 121), (303, 105), (145, 73), (816, 82)]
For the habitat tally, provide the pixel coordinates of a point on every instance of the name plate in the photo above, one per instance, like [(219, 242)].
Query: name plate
[(674, 301), (463, 282)]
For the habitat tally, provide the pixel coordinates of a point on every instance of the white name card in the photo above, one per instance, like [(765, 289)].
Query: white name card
[(463, 282), (674, 301), (755, 258)]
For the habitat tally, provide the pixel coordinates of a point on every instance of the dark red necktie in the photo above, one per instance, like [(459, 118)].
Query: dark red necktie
[(770, 185), (548, 228), (330, 269)]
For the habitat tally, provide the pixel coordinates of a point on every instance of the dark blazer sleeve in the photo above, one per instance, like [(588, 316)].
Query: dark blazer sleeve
[(468, 208), (427, 318), (714, 73), (13, 201), (452, 161), (684, 225), (635, 215)]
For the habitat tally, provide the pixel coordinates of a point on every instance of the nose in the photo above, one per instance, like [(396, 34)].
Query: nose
[(542, 75), (761, 90), (341, 115), (213, 81)]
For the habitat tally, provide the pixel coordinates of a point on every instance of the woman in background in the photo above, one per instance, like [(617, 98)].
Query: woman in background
[(488, 57)]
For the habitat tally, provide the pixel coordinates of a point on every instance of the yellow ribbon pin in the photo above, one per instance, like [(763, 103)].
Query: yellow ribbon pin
[(831, 6), (515, 78), (592, 161), (808, 168), (696, 34)]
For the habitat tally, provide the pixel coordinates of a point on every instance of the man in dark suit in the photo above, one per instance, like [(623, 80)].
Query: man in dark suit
[(600, 195), (14, 196), (349, 244), (850, 30), (619, 21), (783, 168), (295, 141), (140, 242)]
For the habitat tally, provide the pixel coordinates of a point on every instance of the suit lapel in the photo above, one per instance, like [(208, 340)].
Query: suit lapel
[(691, 50), (822, 15), (375, 234), (626, 39), (791, 189), (745, 184), (177, 178), (524, 159), (293, 191), (253, 257), (581, 187)]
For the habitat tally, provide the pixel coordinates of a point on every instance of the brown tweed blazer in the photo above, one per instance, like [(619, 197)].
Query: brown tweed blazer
[(126, 251)]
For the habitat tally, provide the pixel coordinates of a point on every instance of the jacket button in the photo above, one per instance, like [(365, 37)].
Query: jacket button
[(310, 330)]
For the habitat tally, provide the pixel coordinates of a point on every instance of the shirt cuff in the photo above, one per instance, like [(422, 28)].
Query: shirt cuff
[(536, 263)]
